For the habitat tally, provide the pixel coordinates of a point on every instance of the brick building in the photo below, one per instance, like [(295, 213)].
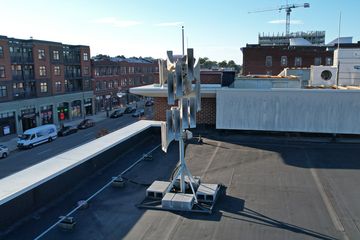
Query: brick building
[(271, 60), (298, 50), (210, 81), (113, 76), (42, 82)]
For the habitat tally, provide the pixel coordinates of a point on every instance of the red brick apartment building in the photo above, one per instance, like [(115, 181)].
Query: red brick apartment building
[(42, 82), (113, 76), (272, 59)]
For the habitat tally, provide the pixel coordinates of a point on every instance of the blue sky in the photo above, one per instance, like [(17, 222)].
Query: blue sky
[(215, 29)]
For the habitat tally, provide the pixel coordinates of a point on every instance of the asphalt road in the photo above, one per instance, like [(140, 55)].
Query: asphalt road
[(21, 159)]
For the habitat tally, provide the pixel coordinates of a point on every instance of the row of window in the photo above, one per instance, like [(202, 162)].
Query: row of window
[(27, 70), (103, 71), (103, 85), (19, 87), (41, 53), (56, 55), (297, 61)]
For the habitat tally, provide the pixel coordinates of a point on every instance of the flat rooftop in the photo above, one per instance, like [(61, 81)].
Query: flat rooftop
[(277, 188)]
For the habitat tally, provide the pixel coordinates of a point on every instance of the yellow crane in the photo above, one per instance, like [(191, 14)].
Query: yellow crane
[(288, 10)]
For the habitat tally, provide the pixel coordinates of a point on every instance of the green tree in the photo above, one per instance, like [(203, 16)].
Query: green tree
[(223, 64)]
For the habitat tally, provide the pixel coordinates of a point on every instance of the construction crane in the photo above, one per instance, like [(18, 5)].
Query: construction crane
[(288, 10)]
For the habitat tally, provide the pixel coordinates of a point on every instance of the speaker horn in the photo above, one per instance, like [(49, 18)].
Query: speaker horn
[(179, 80), (170, 88), (176, 122), (162, 72), (185, 112), (192, 111)]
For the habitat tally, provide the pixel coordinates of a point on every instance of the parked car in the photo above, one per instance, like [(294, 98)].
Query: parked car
[(4, 151), (117, 113), (130, 109), (149, 103), (86, 123), (67, 130), (37, 135), (138, 113)]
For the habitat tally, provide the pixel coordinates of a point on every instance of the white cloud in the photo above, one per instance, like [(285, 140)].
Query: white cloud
[(117, 23), (169, 24), (294, 22)]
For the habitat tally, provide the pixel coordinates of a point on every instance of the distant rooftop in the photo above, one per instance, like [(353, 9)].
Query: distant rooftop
[(123, 59), (314, 37), (31, 40)]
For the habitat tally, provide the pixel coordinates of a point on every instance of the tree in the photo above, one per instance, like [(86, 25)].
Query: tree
[(206, 63), (223, 64)]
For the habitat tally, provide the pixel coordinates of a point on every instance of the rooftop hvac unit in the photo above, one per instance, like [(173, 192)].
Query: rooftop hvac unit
[(323, 75)]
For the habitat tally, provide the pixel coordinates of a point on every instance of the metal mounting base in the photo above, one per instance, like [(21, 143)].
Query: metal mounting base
[(207, 195)]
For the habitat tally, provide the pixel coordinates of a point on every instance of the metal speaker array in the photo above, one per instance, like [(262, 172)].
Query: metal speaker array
[(182, 76)]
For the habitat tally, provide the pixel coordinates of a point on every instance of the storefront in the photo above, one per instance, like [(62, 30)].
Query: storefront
[(88, 106), (63, 111), (7, 123), (28, 118), (46, 114), (76, 109)]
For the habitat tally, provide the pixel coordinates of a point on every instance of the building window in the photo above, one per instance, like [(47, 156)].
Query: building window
[(298, 62), (43, 87), (41, 54), (1, 51), (317, 61), (18, 85), (328, 61), (57, 70), (97, 72), (3, 91), (284, 61), (86, 70), (58, 86), (97, 86), (268, 61), (110, 85), (2, 71), (87, 84), (42, 71), (56, 55), (86, 56)]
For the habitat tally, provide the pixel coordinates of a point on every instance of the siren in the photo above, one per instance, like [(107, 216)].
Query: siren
[(192, 101), (170, 88), (185, 112)]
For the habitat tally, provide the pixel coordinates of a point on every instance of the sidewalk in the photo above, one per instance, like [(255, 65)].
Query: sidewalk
[(11, 140)]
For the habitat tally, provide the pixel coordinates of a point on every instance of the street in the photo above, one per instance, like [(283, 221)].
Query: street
[(21, 159)]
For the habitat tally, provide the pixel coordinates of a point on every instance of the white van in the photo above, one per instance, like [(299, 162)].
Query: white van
[(36, 136)]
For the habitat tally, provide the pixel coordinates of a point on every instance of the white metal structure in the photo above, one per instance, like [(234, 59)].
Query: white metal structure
[(182, 76), (348, 62), (323, 75), (179, 75), (37, 135), (289, 110), (344, 72)]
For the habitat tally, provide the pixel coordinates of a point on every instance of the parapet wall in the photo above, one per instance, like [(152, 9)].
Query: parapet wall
[(34, 198)]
